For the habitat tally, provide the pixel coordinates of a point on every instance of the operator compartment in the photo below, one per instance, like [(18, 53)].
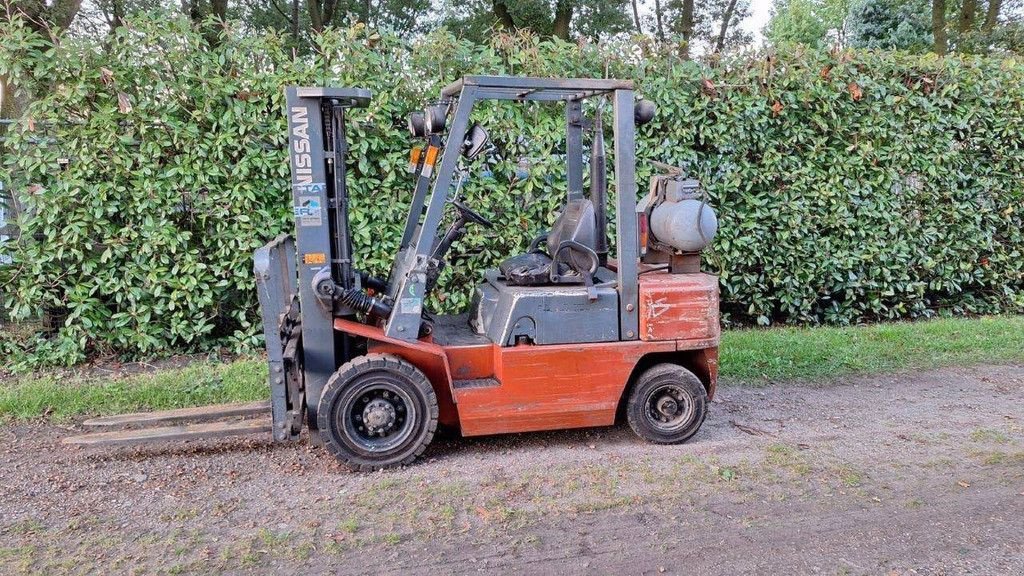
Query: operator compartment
[(554, 314), (678, 306)]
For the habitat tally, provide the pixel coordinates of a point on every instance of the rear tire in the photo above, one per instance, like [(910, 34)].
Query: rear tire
[(667, 404), (377, 411)]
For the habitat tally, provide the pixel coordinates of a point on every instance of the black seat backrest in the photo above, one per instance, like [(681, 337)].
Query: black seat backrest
[(575, 223)]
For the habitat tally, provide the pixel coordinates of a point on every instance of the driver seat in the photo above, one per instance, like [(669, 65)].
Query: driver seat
[(569, 257)]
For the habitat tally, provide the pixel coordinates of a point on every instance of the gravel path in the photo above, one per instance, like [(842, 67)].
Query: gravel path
[(904, 474)]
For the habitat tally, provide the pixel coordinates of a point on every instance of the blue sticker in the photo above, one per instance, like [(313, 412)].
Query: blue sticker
[(309, 212)]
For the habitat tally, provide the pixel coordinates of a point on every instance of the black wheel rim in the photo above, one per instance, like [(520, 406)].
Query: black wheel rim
[(376, 416), (669, 408)]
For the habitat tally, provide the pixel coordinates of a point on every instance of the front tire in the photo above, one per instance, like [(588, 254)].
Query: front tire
[(667, 405), (377, 411)]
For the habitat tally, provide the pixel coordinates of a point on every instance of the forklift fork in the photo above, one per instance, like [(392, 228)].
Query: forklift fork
[(276, 275), (274, 265)]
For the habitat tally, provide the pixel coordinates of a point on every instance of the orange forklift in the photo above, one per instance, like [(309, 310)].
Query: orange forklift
[(562, 336)]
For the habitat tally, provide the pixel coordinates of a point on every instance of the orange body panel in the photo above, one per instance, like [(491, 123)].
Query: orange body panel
[(564, 385), (552, 387), (677, 306)]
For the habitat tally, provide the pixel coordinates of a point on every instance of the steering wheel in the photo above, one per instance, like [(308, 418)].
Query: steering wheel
[(471, 215)]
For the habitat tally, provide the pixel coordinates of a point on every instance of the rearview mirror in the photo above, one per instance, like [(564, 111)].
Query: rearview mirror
[(475, 141)]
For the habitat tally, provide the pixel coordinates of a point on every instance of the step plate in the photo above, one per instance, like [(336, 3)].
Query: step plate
[(197, 414), (476, 383), (171, 433)]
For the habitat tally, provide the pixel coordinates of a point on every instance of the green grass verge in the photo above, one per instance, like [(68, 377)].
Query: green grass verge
[(828, 352), (62, 396), (748, 356)]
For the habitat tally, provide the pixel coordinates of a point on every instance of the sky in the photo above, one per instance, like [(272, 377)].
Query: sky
[(760, 12)]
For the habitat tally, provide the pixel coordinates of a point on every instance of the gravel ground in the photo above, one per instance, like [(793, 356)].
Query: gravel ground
[(905, 474)]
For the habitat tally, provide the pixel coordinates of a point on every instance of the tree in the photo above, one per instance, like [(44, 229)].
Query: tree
[(596, 20), (49, 20), (720, 20), (475, 19), (98, 18), (712, 24), (976, 26), (810, 22), (658, 19), (939, 44), (45, 17), (891, 25)]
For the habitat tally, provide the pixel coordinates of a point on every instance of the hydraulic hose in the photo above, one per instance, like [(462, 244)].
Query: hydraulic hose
[(360, 301)]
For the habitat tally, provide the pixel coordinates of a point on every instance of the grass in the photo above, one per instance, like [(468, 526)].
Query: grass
[(747, 356), (62, 396), (828, 352)]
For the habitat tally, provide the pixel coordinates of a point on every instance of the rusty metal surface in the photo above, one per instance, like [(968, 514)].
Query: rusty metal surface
[(532, 387), (552, 387), (171, 433), (198, 414), (679, 307)]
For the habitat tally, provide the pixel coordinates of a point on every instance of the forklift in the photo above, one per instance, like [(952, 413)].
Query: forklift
[(568, 334)]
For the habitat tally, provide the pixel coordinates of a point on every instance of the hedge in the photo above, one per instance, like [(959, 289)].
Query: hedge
[(851, 186)]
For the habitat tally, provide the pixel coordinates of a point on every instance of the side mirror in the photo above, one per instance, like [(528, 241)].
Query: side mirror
[(643, 112), (436, 116), (417, 125), (475, 141)]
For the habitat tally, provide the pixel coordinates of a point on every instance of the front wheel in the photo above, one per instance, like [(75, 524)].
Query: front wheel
[(667, 404), (377, 411)]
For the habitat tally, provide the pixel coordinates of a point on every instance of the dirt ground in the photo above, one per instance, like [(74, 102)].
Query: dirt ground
[(905, 474)]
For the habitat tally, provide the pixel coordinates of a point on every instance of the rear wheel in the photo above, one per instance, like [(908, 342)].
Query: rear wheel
[(377, 411), (667, 405)]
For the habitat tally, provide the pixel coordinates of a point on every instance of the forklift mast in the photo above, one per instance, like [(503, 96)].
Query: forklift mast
[(317, 147)]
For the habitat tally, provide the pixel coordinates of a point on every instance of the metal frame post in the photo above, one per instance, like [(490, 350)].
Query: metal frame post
[(404, 323), (626, 241), (420, 193), (574, 149)]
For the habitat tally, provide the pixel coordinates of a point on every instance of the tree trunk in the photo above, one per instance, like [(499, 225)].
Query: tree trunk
[(7, 104), (636, 18), (329, 10), (563, 17), (939, 27), (726, 18), (295, 20), (63, 12), (686, 26), (219, 8), (116, 15), (502, 15), (43, 20), (193, 10), (657, 18), (316, 18), (992, 16), (967, 14)]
